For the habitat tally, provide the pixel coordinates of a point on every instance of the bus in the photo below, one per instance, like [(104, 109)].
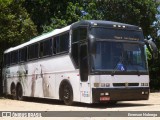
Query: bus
[(90, 61)]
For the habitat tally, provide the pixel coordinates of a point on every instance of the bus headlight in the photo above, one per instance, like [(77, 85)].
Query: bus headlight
[(106, 93)]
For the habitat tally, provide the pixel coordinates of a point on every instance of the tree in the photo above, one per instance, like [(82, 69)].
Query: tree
[(75, 11), (15, 25), (42, 11), (136, 12)]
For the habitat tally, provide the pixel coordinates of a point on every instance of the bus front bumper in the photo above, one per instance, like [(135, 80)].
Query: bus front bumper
[(119, 94)]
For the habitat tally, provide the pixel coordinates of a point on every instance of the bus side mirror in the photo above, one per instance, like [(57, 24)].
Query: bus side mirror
[(152, 48), (92, 44)]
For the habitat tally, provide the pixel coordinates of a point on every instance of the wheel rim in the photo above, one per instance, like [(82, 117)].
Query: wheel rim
[(66, 95)]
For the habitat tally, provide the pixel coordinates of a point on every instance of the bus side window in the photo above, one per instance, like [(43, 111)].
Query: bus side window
[(54, 46), (23, 55), (75, 51), (45, 48), (41, 49), (83, 33), (75, 35), (14, 57), (64, 42), (33, 51), (78, 34), (7, 59)]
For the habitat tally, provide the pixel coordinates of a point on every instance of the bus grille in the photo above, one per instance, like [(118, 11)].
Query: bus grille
[(125, 84)]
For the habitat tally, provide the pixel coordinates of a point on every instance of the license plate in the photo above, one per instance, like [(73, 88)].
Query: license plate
[(106, 98)]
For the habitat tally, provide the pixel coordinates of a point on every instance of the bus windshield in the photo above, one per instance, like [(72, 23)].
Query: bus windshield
[(119, 56)]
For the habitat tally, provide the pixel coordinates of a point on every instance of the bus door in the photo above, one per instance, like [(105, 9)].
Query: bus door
[(83, 67)]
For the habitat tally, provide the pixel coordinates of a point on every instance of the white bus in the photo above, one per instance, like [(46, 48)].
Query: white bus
[(89, 61)]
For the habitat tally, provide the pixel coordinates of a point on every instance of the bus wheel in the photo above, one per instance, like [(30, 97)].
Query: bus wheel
[(13, 91), (19, 92), (66, 93)]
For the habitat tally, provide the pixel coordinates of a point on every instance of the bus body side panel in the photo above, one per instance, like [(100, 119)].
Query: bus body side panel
[(42, 78), (45, 75), (85, 91)]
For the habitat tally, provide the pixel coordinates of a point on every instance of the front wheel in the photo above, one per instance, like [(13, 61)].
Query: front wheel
[(66, 93)]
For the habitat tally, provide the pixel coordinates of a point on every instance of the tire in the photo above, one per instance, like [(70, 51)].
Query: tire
[(19, 92), (66, 93), (13, 92)]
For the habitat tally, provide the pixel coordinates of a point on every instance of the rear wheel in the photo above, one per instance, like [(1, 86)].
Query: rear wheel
[(19, 92), (13, 91), (66, 93)]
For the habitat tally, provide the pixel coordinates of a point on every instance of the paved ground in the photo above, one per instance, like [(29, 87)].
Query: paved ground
[(153, 104)]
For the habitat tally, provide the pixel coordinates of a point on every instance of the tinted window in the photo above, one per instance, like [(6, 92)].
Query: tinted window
[(33, 51), (64, 42), (75, 54), (83, 33), (61, 43), (79, 34), (23, 54), (54, 45), (7, 59), (75, 35), (119, 56), (46, 48), (14, 57)]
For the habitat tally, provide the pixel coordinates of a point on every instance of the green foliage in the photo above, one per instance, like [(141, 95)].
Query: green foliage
[(55, 23), (15, 24), (19, 17), (136, 12), (73, 14)]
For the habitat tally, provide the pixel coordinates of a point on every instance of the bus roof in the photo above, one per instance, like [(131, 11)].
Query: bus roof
[(74, 25), (39, 38), (102, 23)]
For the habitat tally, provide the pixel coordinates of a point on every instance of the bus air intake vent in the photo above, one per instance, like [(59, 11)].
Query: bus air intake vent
[(124, 84)]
